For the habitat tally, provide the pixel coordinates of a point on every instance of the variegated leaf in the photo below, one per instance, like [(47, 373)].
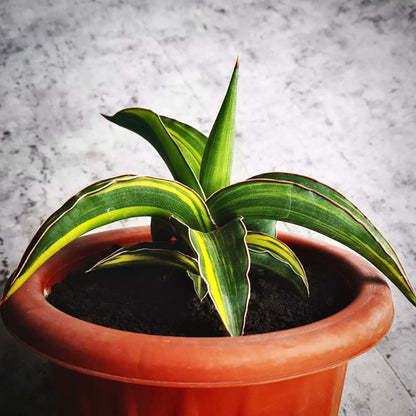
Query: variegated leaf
[(148, 253), (277, 257), (105, 202), (224, 262), (181, 157), (315, 209), (218, 154), (191, 142)]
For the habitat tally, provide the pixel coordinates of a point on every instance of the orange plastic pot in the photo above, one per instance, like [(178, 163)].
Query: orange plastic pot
[(102, 371)]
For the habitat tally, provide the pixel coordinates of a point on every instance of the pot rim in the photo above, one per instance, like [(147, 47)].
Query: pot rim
[(204, 362)]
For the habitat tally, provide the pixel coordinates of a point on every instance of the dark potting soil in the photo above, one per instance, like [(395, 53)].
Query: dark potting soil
[(162, 301)]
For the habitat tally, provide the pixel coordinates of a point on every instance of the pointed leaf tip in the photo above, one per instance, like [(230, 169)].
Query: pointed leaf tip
[(218, 154)]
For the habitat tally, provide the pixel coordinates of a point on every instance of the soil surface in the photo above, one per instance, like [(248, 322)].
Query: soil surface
[(162, 301)]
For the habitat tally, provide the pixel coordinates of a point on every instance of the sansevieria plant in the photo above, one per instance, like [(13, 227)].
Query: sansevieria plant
[(203, 224)]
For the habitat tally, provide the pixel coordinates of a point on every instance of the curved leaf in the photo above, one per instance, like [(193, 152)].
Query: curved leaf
[(67, 206), (149, 125), (298, 204), (191, 142), (261, 226), (339, 199), (218, 154), (159, 254), (148, 253), (224, 262), (277, 257), (105, 202)]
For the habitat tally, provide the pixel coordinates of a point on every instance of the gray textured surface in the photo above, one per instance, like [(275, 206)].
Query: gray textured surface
[(327, 89)]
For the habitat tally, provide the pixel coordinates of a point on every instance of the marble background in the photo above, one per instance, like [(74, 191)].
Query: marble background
[(327, 89)]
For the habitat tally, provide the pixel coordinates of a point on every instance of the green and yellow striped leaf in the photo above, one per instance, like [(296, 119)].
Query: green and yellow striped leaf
[(275, 256), (315, 209), (224, 263), (337, 198), (181, 156), (105, 202), (191, 142), (148, 253), (158, 254), (218, 154)]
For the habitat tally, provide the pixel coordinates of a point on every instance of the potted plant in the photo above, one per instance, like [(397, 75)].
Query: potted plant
[(215, 231)]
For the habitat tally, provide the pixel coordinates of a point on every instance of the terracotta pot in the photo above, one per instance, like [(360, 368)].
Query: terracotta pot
[(102, 371)]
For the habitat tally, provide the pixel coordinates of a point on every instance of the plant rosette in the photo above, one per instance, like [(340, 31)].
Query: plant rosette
[(220, 229)]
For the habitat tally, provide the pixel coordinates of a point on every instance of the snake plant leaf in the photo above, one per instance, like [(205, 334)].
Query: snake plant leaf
[(158, 254), (299, 204), (67, 206), (277, 257), (218, 155), (262, 226), (224, 263), (336, 197), (148, 253), (105, 202), (181, 156), (191, 142), (182, 235), (200, 286), (341, 200)]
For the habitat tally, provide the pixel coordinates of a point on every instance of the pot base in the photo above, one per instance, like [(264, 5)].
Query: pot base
[(85, 395)]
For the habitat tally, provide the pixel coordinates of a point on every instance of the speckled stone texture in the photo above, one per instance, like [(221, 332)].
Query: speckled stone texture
[(327, 89)]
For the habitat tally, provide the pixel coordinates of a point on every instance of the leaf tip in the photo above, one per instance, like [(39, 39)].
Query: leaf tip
[(237, 63)]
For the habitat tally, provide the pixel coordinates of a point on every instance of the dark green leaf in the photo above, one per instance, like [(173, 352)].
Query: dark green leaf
[(275, 256), (148, 253), (191, 142), (177, 157), (296, 203), (218, 154), (223, 261), (105, 202)]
